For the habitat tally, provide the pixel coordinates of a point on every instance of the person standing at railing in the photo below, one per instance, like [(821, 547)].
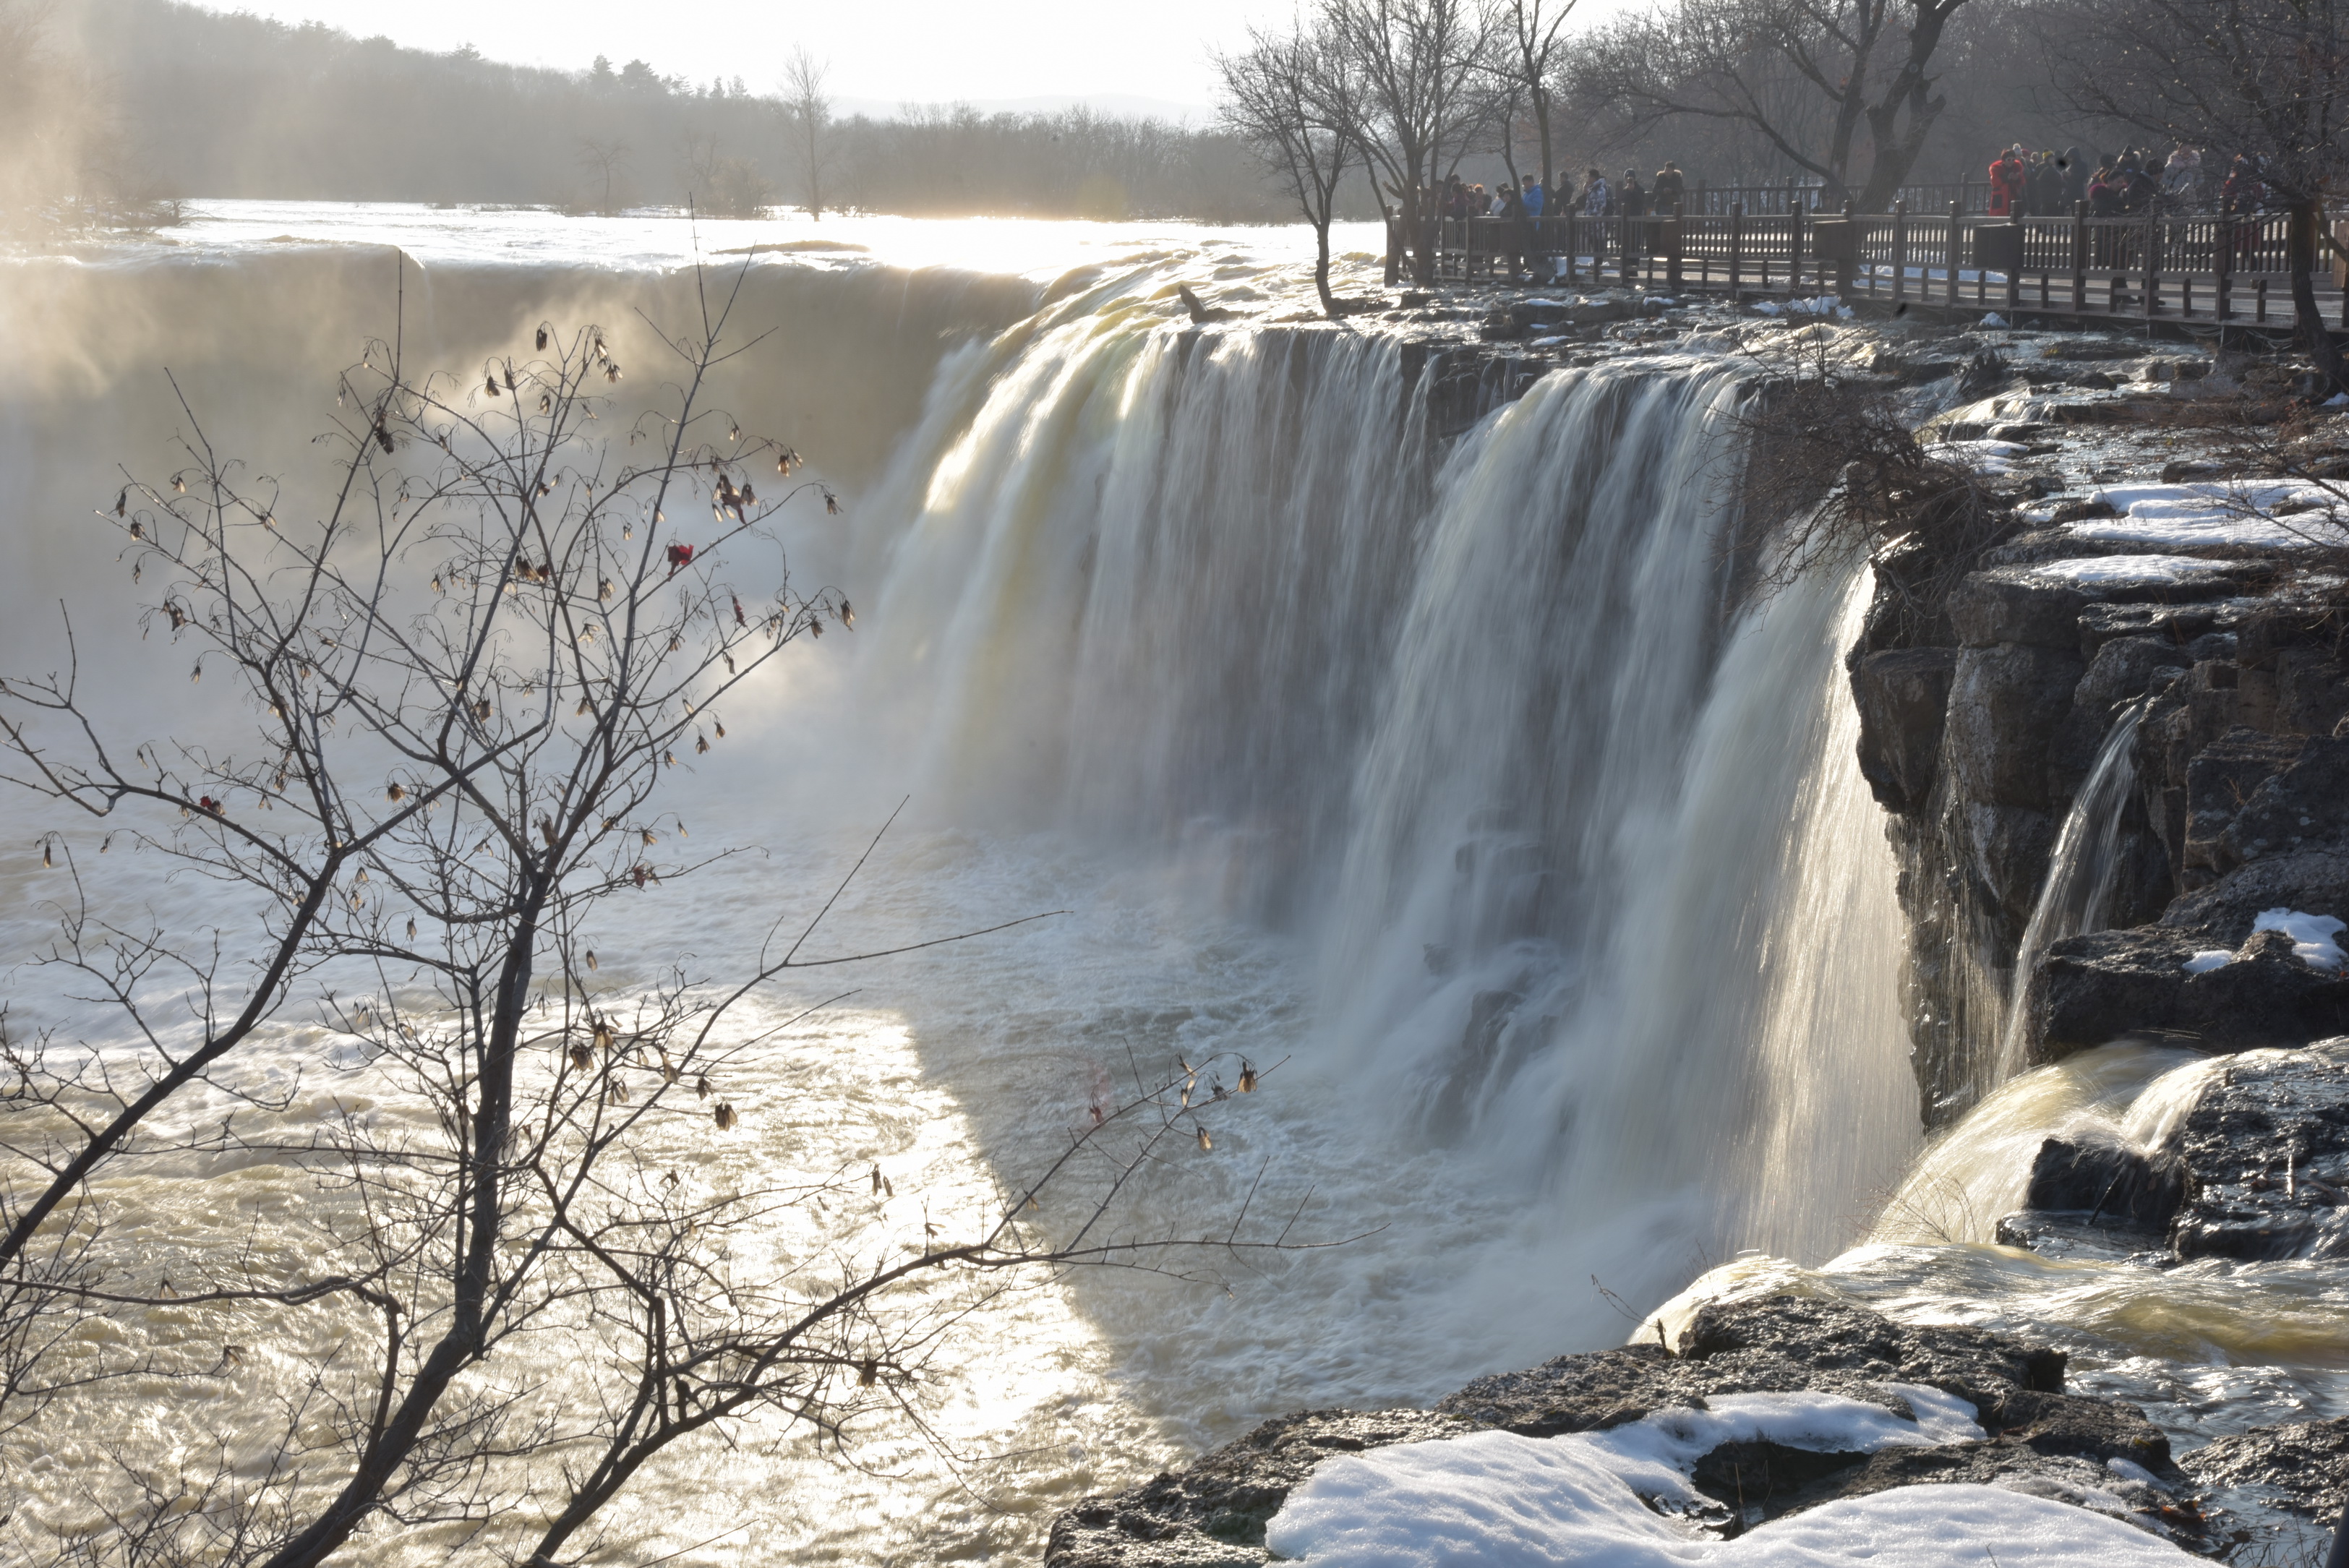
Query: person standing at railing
[(2076, 168), (2009, 183), (1631, 202), (1516, 237), (2181, 179), (1666, 191)]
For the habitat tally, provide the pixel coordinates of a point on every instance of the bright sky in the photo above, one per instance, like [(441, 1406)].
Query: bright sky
[(883, 52)]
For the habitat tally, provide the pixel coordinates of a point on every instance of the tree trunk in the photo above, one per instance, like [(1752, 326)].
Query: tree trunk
[(1896, 150), (2315, 335), (1321, 269)]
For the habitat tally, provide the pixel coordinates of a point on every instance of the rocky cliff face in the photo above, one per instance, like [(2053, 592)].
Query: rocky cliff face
[(2115, 596)]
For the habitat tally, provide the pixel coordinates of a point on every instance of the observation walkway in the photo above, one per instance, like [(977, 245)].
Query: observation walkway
[(2206, 268)]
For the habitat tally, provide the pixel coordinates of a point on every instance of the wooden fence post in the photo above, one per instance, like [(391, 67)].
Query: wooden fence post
[(1794, 249), (1957, 244), (1672, 262), (1900, 251), (2079, 258), (1737, 249), (2153, 236), (2222, 265)]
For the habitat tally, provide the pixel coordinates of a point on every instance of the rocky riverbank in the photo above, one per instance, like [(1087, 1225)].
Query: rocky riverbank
[(2032, 1438)]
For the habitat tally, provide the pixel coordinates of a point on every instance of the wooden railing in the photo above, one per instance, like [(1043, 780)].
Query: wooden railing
[(2185, 266)]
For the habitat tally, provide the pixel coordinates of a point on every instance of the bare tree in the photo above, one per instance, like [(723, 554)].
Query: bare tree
[(1414, 68), (1531, 34), (2268, 79), (722, 184), (602, 159), (1854, 65), (807, 112), (465, 691), (1285, 96)]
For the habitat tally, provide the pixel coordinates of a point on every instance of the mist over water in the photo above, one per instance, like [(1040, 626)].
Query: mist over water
[(1453, 777)]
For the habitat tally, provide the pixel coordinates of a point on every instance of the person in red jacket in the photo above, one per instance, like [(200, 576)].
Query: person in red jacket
[(2010, 179)]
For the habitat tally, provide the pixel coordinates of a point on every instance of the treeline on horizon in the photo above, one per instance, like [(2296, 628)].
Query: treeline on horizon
[(114, 108), (213, 104)]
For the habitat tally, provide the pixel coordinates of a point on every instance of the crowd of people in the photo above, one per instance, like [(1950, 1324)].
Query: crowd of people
[(2046, 183), (1594, 196), (2023, 183)]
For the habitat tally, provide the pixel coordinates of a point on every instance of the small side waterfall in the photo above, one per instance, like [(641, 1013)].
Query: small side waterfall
[(2077, 895)]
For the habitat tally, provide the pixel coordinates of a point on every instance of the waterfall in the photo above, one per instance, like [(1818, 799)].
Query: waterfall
[(2076, 897), (1580, 844)]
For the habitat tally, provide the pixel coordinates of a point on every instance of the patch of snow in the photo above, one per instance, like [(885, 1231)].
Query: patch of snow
[(2313, 941), (1547, 342), (1993, 319), (2311, 936), (1819, 304), (1982, 457), (1496, 1500), (2300, 532), (2338, 400), (2123, 570)]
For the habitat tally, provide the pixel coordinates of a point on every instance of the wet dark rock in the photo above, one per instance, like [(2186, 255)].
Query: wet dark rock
[(2303, 1468), (1212, 1512), (2268, 1144), (2100, 988), (2070, 1236), (2106, 1180), (1903, 695)]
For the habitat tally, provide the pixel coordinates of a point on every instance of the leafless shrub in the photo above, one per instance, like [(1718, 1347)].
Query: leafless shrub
[(1830, 471)]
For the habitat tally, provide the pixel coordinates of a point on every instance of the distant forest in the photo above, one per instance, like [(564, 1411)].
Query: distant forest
[(239, 105)]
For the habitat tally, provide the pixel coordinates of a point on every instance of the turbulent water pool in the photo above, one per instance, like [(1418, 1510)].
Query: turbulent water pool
[(1443, 774)]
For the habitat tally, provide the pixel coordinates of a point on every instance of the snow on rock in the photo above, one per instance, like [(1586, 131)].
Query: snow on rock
[(2117, 571), (2314, 941), (1499, 1501), (2238, 513), (1820, 304), (1982, 457), (2311, 936)]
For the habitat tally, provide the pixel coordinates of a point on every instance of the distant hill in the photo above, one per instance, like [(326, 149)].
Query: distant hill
[(239, 105)]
